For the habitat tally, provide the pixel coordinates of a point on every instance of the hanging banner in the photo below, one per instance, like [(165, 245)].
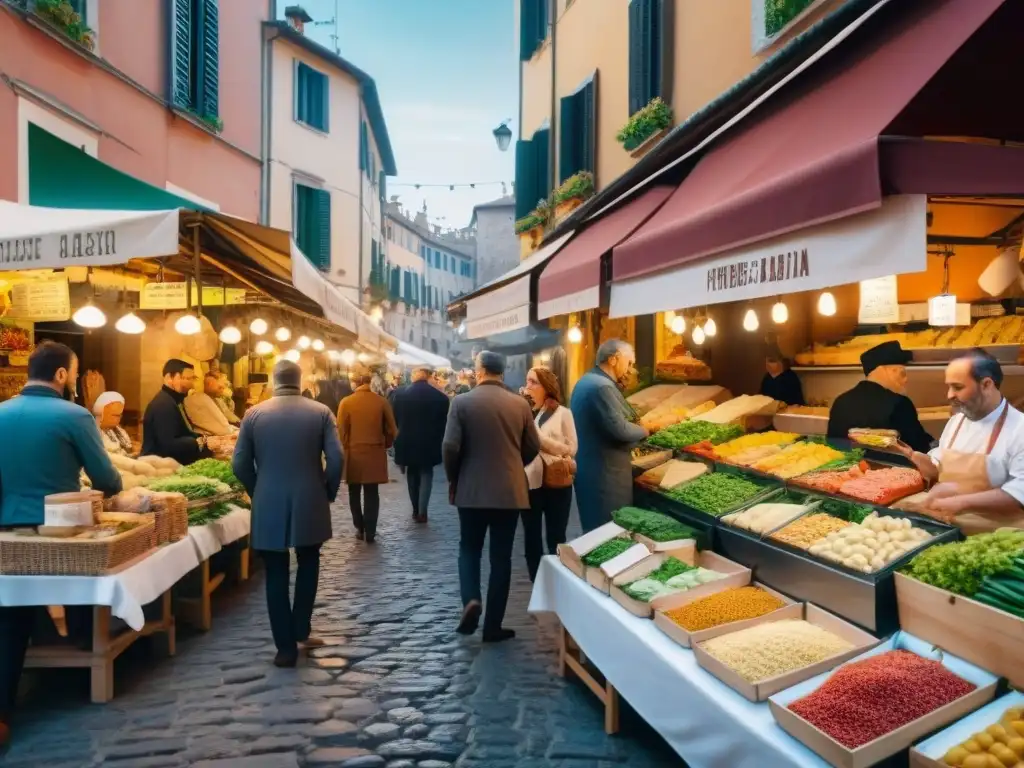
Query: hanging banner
[(164, 296), (851, 249), (339, 310), (879, 303), (42, 300)]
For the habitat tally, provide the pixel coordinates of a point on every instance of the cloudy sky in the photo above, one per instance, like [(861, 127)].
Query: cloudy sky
[(446, 72)]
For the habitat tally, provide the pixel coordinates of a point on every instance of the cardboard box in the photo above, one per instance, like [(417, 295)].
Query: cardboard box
[(791, 610), (929, 753), (761, 690), (681, 549), (571, 553), (873, 752), (736, 576), (601, 578), (980, 634)]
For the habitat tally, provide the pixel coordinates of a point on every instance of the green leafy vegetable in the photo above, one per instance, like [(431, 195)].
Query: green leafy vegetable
[(192, 486), (215, 469), (962, 566), (208, 514), (672, 567), (605, 552), (687, 433), (653, 525), (716, 494), (845, 510), (849, 460)]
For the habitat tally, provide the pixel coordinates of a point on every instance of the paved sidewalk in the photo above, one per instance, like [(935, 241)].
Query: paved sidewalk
[(396, 686)]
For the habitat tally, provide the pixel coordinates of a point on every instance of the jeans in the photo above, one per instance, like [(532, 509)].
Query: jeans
[(291, 620), (548, 513), (421, 483), (473, 527), (364, 519)]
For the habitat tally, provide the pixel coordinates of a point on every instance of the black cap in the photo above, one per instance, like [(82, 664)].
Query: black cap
[(888, 353)]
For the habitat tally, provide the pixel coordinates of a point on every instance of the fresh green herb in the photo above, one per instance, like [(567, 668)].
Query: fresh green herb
[(653, 525), (849, 460), (687, 433), (845, 510), (605, 552), (716, 494), (215, 469), (961, 567), (670, 568), (208, 514), (192, 486)]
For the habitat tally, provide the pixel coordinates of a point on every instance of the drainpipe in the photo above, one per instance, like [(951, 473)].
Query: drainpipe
[(552, 154), (359, 132), (266, 97)]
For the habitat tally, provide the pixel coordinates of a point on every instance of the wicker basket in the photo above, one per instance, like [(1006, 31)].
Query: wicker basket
[(39, 556), (171, 510)]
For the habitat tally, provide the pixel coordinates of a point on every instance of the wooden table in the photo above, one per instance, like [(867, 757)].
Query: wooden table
[(572, 659)]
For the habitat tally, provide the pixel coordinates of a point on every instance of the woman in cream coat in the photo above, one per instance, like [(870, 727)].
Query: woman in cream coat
[(549, 507)]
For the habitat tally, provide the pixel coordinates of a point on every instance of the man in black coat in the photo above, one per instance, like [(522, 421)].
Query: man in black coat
[(166, 430), (879, 401), (421, 412)]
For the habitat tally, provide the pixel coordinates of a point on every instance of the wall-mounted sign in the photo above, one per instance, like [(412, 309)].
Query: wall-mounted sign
[(175, 296), (878, 301), (942, 310), (41, 300)]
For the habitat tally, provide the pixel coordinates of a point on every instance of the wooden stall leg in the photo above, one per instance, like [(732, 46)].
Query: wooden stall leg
[(205, 598), (611, 709), (102, 667), (169, 625), (562, 650), (243, 564)]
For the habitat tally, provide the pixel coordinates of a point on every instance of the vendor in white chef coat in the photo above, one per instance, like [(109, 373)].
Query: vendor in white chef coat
[(979, 462)]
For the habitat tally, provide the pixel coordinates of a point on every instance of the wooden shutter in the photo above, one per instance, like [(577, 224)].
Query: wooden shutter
[(363, 154), (297, 90), (210, 91), (373, 261), (636, 56), (527, 29), (586, 100), (180, 64), (526, 171), (325, 102), (568, 137), (654, 49), (541, 158), (323, 228)]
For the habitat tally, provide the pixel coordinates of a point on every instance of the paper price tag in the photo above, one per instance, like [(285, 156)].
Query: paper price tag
[(942, 310)]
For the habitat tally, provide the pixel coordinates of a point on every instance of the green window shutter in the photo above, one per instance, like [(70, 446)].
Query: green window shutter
[(210, 92), (527, 29), (373, 261), (541, 158), (526, 171), (636, 56), (180, 49), (382, 185), (323, 228), (394, 286), (362, 147), (297, 90), (568, 138), (587, 116), (325, 102)]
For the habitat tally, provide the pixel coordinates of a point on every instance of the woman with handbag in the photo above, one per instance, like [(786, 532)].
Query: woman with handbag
[(550, 475)]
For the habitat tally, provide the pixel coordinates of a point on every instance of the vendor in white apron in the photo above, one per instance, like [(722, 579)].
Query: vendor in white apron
[(979, 462)]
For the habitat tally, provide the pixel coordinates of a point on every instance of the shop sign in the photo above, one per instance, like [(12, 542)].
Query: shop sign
[(219, 297), (340, 311), (879, 303), (42, 300), (164, 296), (849, 250), (509, 320)]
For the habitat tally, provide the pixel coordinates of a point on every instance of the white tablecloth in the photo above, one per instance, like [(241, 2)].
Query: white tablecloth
[(705, 721), (209, 539), (125, 592)]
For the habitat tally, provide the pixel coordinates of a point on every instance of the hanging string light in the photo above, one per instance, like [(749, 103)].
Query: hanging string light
[(264, 348), (780, 312), (750, 321), (318, 345), (303, 342), (131, 324), (188, 325), (698, 335), (230, 335), (293, 355), (827, 304), (258, 326), (282, 334), (678, 325), (575, 335), (710, 328)]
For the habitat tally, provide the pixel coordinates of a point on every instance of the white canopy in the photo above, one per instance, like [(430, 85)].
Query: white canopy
[(411, 356)]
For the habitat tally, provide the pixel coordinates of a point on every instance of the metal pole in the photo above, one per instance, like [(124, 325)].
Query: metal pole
[(197, 251)]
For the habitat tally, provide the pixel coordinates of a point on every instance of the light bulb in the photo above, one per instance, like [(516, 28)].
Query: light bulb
[(264, 348), (750, 322), (669, 317), (827, 304), (698, 335), (230, 335), (348, 357), (90, 316), (318, 345), (188, 325), (282, 334), (258, 326), (363, 357), (293, 354), (679, 325), (575, 335), (131, 324), (710, 329), (303, 342), (780, 313)]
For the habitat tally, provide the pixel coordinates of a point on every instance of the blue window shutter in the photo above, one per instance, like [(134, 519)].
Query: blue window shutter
[(210, 92), (180, 64), (362, 147), (568, 137), (526, 173), (323, 228), (527, 29)]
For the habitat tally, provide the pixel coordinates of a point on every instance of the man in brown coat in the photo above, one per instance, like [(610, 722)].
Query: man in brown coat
[(366, 425), (489, 439)]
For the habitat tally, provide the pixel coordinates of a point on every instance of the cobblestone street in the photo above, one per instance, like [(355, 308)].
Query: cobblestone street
[(394, 687)]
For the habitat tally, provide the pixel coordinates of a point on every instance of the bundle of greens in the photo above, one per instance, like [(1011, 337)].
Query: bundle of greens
[(215, 469), (717, 493), (1005, 591), (653, 525), (208, 514), (686, 433), (850, 459), (845, 510), (193, 487), (605, 552), (671, 576), (963, 566)]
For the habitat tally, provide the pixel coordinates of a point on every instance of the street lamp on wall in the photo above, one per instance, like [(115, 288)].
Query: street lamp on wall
[(503, 135)]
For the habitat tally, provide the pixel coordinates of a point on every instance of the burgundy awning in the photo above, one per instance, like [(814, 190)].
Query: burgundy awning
[(812, 156), (571, 282)]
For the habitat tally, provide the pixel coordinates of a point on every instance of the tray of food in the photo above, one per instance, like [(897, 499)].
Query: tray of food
[(638, 589), (994, 731), (93, 552), (720, 493), (881, 439)]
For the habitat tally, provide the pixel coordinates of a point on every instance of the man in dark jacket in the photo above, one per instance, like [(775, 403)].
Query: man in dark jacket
[(421, 412), (47, 442), (879, 401), (166, 430), (289, 459), (489, 440)]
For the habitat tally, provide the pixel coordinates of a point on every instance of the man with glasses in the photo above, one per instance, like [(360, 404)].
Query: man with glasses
[(606, 432)]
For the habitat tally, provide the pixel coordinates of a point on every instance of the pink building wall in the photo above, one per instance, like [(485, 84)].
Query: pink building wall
[(140, 134)]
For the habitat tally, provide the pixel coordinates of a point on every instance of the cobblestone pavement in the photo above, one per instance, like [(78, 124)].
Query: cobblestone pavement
[(395, 687)]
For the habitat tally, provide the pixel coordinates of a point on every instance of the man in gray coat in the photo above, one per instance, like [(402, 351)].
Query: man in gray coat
[(489, 439), (289, 459), (604, 475)]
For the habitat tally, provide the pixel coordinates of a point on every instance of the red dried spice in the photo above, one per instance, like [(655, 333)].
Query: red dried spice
[(870, 698)]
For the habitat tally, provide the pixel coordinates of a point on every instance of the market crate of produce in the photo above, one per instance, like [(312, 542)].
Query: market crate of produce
[(868, 599), (960, 596), (881, 702), (672, 473), (968, 743), (687, 433), (766, 658), (879, 485), (767, 515), (798, 459), (639, 588), (703, 525), (646, 456), (612, 558), (658, 532), (689, 618), (28, 554), (721, 492), (571, 553)]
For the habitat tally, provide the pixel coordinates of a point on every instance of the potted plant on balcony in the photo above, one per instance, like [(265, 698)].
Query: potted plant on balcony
[(572, 192), (645, 128), (61, 14), (530, 228)]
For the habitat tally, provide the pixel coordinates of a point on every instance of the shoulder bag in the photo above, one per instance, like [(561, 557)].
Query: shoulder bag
[(559, 471)]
